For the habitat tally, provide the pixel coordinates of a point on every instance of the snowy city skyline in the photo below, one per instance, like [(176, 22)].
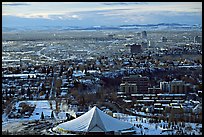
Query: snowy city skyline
[(102, 68)]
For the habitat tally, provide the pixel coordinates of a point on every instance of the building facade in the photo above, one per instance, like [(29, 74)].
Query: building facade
[(128, 88), (175, 86), (135, 48), (140, 81)]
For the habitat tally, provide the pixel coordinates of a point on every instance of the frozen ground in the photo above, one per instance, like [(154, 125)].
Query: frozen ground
[(155, 128)]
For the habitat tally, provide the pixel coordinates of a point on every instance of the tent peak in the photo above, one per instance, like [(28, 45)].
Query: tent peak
[(95, 108), (95, 120)]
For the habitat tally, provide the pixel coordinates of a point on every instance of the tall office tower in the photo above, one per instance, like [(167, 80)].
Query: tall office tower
[(197, 39), (151, 43), (144, 34), (164, 39)]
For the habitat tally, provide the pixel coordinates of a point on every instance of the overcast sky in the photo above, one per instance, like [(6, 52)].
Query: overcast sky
[(99, 13)]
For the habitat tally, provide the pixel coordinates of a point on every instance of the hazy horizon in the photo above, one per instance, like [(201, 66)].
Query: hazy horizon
[(87, 14)]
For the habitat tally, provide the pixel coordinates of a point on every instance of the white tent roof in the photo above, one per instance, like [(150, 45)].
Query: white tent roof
[(95, 120)]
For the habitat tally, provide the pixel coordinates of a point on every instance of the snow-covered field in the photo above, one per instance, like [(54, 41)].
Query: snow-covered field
[(157, 128), (42, 106)]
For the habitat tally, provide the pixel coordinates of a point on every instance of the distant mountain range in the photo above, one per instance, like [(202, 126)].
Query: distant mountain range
[(160, 26)]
